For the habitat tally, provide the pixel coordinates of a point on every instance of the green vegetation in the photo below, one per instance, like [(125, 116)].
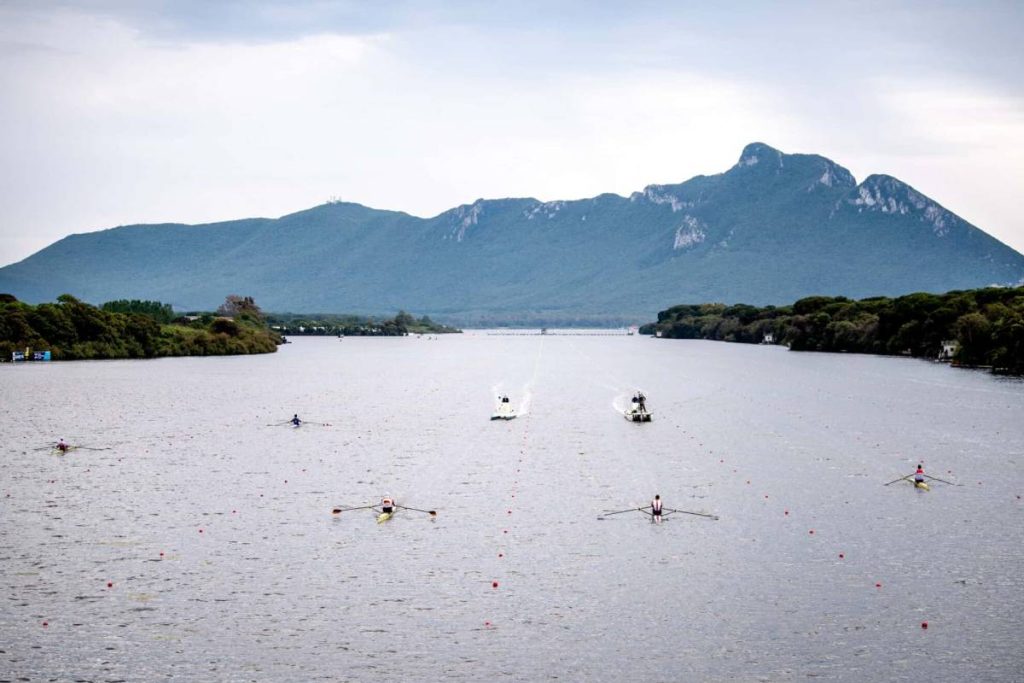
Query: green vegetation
[(355, 326), (162, 313), (987, 324), (72, 330)]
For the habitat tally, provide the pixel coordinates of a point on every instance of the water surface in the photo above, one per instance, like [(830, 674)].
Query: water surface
[(216, 533)]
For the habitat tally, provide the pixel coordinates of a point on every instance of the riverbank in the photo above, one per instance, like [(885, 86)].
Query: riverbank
[(73, 330), (975, 328)]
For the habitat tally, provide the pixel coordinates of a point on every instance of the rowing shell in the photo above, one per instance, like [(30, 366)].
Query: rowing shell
[(923, 485), (384, 516)]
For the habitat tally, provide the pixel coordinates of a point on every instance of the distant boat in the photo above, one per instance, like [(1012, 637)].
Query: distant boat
[(637, 411), (504, 411), (636, 414)]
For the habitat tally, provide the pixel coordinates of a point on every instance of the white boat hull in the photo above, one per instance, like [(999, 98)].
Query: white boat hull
[(504, 412)]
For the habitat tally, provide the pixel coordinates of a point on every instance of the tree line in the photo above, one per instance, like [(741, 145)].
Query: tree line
[(74, 330), (987, 324), (354, 325)]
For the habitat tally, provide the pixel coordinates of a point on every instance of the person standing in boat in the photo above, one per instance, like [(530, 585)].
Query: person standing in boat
[(295, 420), (656, 508), (919, 475), (387, 504), (642, 400)]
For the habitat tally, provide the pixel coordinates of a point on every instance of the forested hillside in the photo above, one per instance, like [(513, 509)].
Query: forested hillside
[(987, 324)]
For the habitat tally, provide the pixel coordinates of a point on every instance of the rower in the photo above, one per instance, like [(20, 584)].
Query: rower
[(656, 508), (387, 504), (295, 420), (919, 475), (62, 447)]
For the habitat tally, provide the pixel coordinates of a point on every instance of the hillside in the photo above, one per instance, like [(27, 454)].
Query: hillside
[(773, 228)]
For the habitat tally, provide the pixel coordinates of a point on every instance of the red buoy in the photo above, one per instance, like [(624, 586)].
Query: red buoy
[(110, 584), (811, 531), (924, 624), (494, 584), (878, 585), (841, 556)]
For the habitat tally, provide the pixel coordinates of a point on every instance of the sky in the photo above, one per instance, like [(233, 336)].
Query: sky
[(115, 112)]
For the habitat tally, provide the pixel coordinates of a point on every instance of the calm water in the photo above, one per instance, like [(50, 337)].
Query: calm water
[(226, 563)]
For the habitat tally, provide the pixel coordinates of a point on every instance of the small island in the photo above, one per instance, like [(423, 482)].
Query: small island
[(976, 328)]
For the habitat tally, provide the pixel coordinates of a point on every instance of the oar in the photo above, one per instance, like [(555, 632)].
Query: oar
[(942, 480), (89, 448), (696, 514), (432, 513), (900, 479), (318, 424), (619, 512), (339, 510)]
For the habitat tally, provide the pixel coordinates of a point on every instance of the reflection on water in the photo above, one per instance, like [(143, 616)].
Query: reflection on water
[(215, 534)]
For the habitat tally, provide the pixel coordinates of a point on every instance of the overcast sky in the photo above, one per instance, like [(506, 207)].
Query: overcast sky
[(115, 112)]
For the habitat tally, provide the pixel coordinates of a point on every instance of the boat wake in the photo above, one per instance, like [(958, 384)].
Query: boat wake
[(527, 401)]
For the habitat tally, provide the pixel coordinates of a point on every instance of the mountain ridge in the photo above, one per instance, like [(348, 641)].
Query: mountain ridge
[(770, 229)]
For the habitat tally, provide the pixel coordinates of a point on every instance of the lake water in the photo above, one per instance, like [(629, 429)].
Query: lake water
[(225, 563)]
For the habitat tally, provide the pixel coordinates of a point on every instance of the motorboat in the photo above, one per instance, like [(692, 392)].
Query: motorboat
[(637, 410), (504, 410)]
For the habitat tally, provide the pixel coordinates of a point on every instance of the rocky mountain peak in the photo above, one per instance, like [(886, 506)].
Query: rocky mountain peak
[(758, 153), (885, 194)]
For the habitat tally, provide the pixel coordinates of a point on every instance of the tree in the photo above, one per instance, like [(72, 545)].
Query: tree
[(235, 306), (973, 331)]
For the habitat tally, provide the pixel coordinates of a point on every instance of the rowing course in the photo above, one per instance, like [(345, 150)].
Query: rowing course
[(258, 580)]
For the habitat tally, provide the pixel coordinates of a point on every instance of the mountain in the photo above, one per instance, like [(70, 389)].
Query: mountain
[(773, 228)]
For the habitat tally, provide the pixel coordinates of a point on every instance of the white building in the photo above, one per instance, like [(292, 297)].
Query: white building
[(949, 349)]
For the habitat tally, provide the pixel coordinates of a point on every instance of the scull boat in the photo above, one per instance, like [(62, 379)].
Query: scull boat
[(385, 516)]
